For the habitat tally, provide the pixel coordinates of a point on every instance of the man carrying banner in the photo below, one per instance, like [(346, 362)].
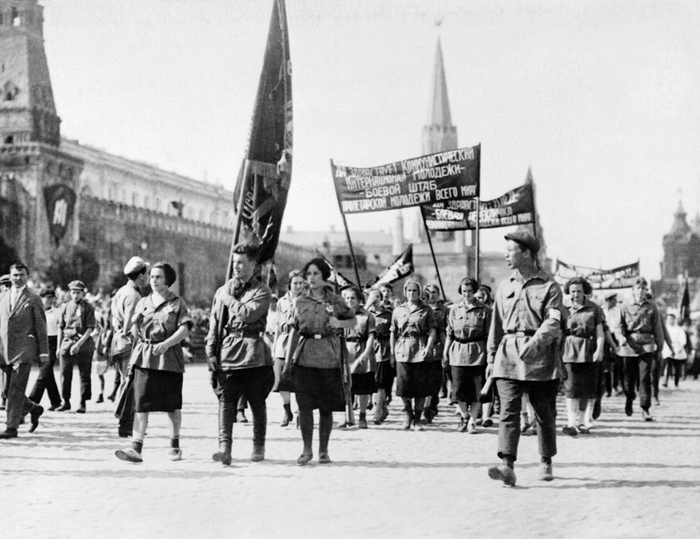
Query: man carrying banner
[(523, 354), (240, 361), (642, 337)]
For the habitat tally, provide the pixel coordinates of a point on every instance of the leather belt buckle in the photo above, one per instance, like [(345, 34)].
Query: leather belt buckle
[(520, 334), (318, 336)]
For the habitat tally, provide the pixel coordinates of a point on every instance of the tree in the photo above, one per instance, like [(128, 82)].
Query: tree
[(73, 262), (8, 256)]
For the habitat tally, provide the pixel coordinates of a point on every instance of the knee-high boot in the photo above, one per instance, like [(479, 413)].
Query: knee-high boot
[(227, 414)]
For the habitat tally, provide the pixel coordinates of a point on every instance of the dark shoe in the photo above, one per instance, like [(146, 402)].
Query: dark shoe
[(223, 455), (487, 423), (656, 401), (123, 433), (64, 407), (81, 410), (129, 455), (462, 427), (428, 414), (34, 416), (8, 433), (583, 429), (571, 431), (628, 407), (54, 407), (407, 423), (418, 424), (502, 473), (596, 409), (362, 423), (100, 399), (385, 412), (111, 398), (304, 459), (646, 415), (546, 472), (323, 458), (241, 418), (258, 453), (288, 416), (175, 454)]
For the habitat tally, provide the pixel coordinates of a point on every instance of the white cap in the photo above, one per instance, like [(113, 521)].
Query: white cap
[(136, 263)]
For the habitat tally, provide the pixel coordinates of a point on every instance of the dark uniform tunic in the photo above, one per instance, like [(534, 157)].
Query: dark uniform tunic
[(411, 325)]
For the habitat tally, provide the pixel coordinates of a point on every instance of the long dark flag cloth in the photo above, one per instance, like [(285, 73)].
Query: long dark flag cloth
[(266, 172), (402, 267), (684, 307)]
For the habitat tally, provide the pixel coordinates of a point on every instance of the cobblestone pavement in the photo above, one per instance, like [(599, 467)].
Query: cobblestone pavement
[(627, 478)]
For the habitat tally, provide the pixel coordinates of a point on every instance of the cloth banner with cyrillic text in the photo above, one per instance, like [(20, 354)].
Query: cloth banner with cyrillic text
[(450, 175), (516, 207), (621, 277)]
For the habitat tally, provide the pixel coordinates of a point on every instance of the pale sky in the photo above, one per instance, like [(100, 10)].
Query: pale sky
[(600, 98)]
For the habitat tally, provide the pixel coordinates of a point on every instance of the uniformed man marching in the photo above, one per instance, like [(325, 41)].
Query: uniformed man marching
[(523, 354), (240, 361)]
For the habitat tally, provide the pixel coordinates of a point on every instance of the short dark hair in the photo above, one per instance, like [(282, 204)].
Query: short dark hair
[(251, 250), (322, 266), (19, 266), (136, 274), (168, 272), (386, 285), (587, 288), (468, 281)]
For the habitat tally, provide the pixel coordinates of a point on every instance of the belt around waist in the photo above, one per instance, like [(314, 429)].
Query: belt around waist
[(316, 335), (472, 339), (524, 333), (152, 341), (413, 335), (355, 339), (245, 334)]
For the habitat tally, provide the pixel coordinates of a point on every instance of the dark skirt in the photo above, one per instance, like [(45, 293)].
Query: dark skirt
[(412, 379), (319, 388), (281, 384), (581, 381), (157, 391), (364, 384), (435, 373), (466, 383), (385, 376)]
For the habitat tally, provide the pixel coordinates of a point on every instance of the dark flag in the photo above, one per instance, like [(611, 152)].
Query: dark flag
[(272, 279), (60, 204), (266, 172), (684, 308), (402, 267), (336, 277)]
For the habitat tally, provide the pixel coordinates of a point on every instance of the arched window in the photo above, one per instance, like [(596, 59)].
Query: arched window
[(14, 16)]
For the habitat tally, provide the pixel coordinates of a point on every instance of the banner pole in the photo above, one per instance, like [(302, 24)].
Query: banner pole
[(347, 232), (478, 236), (432, 252)]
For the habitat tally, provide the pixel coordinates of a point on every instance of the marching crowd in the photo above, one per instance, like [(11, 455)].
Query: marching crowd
[(504, 356)]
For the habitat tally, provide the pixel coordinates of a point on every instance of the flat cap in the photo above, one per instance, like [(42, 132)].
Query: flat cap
[(77, 285), (525, 239), (47, 292), (611, 295), (5, 279), (135, 263)]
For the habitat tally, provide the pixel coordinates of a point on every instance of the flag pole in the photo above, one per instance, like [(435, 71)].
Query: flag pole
[(478, 230), (347, 232), (432, 252)]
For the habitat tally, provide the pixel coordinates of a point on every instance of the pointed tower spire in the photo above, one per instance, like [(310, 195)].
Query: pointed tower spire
[(535, 227), (439, 134)]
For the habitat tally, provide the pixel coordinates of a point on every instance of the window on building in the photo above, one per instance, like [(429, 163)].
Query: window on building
[(14, 15), (10, 139)]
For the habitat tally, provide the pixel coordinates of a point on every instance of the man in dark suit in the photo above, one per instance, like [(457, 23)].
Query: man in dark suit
[(23, 340)]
